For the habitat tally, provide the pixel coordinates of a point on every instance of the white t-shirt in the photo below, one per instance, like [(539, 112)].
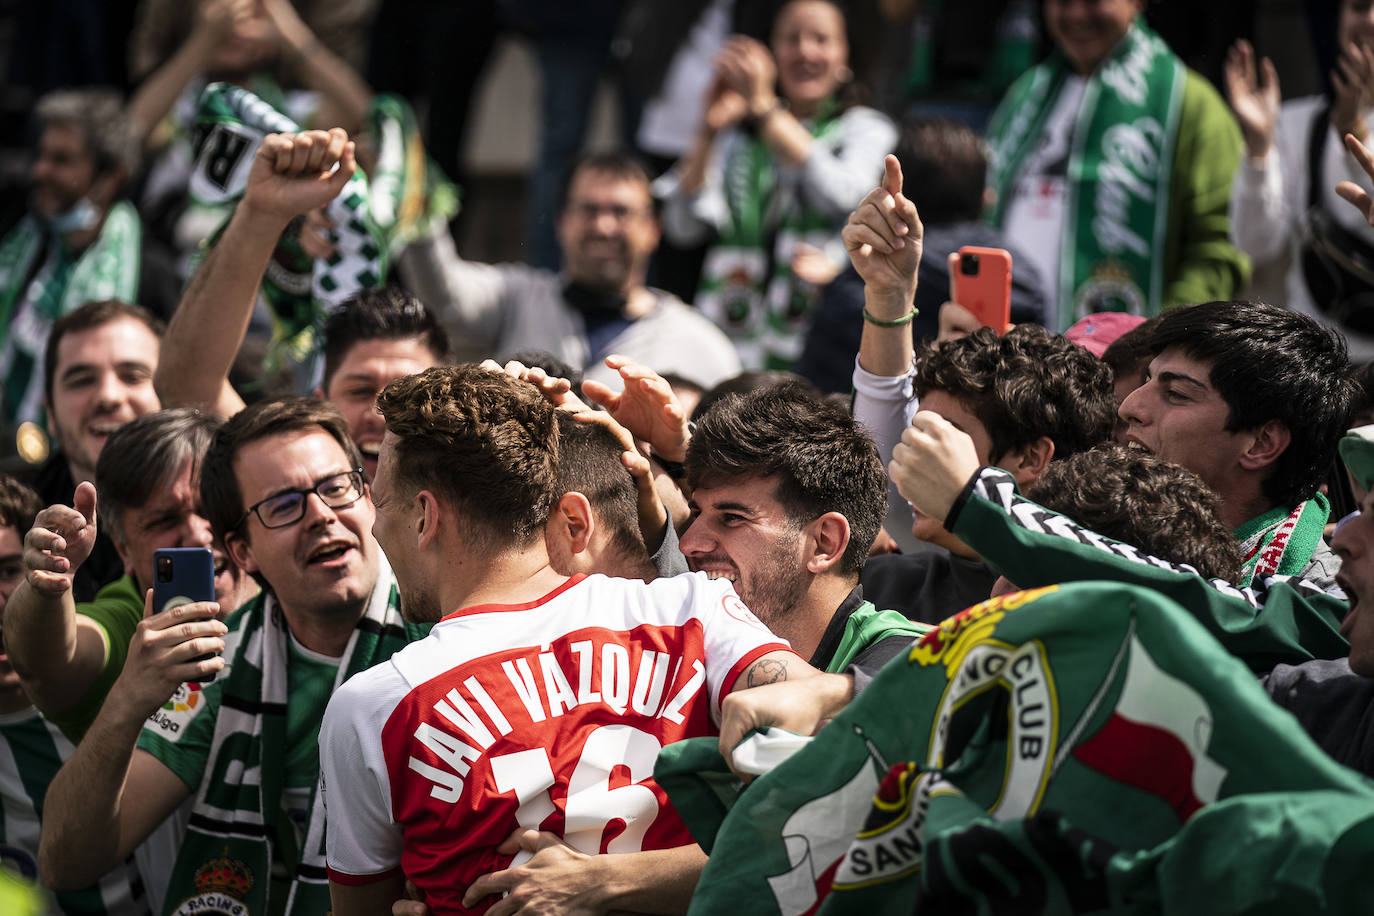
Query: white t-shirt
[(548, 714), (1035, 214)]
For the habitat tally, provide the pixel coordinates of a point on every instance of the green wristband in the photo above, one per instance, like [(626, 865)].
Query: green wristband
[(894, 323)]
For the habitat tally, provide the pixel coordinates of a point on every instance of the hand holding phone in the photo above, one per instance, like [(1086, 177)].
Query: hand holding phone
[(980, 281), (183, 575)]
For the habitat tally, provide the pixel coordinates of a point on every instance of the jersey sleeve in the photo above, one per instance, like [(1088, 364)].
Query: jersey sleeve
[(1284, 622), (735, 638), (180, 732), (362, 839)]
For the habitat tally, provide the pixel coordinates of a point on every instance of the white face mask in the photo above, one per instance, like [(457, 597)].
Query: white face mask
[(81, 216)]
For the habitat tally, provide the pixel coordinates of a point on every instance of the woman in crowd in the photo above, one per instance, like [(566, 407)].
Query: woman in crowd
[(781, 157)]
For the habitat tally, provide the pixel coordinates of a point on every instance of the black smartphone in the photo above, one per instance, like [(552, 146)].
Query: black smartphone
[(183, 575)]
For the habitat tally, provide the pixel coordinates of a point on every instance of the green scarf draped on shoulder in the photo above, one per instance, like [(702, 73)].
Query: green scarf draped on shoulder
[(1116, 211), (226, 858)]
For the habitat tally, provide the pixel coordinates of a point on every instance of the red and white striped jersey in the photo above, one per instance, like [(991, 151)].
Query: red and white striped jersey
[(548, 714)]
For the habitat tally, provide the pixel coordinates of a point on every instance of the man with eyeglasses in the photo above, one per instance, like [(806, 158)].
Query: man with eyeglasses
[(282, 485), (597, 306)]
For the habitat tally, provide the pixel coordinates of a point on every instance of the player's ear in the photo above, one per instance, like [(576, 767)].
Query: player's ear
[(573, 515), (428, 521)]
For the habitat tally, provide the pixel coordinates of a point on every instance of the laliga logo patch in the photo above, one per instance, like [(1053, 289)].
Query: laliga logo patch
[(186, 698), (179, 709), (951, 641), (221, 885)]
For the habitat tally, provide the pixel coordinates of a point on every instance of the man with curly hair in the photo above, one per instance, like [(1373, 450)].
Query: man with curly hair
[(1149, 503)]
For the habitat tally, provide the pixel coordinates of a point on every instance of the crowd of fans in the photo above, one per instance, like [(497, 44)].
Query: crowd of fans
[(570, 586)]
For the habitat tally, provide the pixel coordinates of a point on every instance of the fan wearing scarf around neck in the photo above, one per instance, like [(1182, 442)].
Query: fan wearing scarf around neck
[(777, 164), (236, 731), (1112, 165)]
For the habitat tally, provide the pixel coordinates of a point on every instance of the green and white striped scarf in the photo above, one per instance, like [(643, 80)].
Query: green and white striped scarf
[(1280, 542), (747, 287), (1121, 161), (107, 269), (226, 857), (373, 217), (298, 290)]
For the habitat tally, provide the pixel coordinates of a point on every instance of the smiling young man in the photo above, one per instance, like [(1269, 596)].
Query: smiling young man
[(1252, 398), (283, 487), (539, 701), (788, 495), (1115, 154), (98, 370)]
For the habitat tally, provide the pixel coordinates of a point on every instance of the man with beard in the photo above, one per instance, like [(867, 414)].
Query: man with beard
[(599, 305), (78, 243), (788, 494)]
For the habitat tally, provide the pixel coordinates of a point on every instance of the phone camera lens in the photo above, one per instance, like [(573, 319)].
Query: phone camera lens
[(968, 264), (164, 569)]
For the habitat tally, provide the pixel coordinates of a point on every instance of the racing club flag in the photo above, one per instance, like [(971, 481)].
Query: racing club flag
[(1085, 748)]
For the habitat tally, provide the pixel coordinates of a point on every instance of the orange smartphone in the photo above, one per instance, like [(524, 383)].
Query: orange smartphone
[(980, 281)]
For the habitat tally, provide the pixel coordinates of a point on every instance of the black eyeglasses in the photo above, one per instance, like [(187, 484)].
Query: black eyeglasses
[(282, 509)]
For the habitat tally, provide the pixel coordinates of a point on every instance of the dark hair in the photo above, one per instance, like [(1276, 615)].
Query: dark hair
[(1130, 354), (1270, 363), (822, 459), (99, 115), (612, 164), (589, 463), (1023, 385), (18, 505), (750, 381), (219, 485), (91, 315), (384, 313), (553, 365), (144, 456), (944, 169), (1134, 497), (485, 441)]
